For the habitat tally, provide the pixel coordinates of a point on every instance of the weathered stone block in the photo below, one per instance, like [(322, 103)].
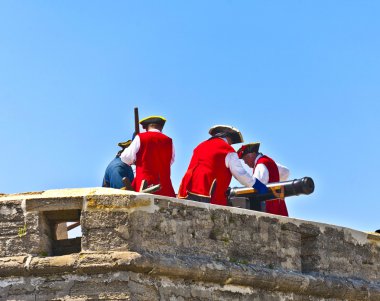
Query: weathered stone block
[(11, 211), (103, 219), (103, 240), (40, 204)]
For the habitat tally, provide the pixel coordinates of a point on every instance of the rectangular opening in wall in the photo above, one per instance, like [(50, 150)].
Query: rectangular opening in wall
[(62, 223), (74, 229)]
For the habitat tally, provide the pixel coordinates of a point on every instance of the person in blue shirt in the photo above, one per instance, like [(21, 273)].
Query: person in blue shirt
[(117, 170)]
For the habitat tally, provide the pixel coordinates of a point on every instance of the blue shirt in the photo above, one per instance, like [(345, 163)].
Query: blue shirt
[(115, 173)]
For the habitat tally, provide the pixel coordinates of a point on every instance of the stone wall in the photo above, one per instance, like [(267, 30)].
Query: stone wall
[(144, 247)]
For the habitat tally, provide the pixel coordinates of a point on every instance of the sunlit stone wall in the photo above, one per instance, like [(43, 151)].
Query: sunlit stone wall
[(144, 247)]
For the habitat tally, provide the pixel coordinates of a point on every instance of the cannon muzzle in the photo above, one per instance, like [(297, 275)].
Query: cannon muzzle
[(277, 190)]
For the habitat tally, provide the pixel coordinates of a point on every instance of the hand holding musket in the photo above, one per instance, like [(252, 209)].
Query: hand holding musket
[(127, 184)]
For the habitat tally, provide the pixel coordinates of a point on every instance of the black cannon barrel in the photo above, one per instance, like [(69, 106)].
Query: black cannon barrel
[(277, 190)]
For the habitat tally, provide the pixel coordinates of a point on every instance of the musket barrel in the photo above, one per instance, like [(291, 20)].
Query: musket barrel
[(137, 125), (276, 190)]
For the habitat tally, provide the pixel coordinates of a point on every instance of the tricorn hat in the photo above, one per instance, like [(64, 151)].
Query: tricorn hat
[(125, 144), (248, 148), (227, 131), (152, 119)]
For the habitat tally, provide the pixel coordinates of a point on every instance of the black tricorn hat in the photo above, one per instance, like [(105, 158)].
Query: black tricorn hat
[(125, 144), (227, 131), (248, 148), (152, 119)]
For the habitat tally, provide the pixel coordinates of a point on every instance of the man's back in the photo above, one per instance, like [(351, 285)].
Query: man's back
[(153, 161), (207, 165)]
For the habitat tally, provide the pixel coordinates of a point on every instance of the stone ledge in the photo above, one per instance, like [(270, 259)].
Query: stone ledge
[(53, 204), (197, 269)]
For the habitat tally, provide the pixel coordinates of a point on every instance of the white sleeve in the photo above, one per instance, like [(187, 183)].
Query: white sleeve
[(261, 173), (173, 155), (283, 171), (128, 156), (238, 171)]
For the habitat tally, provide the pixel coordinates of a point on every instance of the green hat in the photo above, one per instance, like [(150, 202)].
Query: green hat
[(125, 144), (227, 131), (152, 119), (248, 148)]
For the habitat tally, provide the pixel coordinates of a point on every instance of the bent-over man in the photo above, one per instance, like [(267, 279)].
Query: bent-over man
[(117, 170), (267, 171)]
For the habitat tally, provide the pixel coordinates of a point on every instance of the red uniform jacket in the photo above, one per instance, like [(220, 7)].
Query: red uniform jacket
[(206, 166), (153, 162), (277, 206)]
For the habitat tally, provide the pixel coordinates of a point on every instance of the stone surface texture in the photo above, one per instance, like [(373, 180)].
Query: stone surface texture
[(137, 246)]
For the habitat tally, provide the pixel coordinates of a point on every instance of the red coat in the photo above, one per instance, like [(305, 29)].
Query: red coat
[(153, 162), (277, 206), (207, 165)]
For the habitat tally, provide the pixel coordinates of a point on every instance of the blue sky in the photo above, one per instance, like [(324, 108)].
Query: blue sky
[(301, 77)]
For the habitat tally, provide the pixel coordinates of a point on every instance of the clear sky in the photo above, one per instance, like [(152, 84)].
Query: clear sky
[(301, 77)]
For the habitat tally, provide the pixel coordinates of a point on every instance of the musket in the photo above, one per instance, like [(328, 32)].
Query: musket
[(137, 125), (279, 190)]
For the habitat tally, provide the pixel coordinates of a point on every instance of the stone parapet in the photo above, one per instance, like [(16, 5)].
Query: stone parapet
[(146, 247)]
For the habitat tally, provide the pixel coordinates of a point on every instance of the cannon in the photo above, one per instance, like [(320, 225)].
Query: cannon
[(249, 198)]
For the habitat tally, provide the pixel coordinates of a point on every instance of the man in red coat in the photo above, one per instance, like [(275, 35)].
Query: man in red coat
[(153, 154), (212, 166), (267, 171)]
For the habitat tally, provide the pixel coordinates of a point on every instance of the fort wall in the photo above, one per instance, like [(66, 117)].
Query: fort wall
[(137, 246)]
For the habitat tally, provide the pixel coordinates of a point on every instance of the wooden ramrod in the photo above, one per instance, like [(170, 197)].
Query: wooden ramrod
[(249, 198)]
